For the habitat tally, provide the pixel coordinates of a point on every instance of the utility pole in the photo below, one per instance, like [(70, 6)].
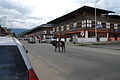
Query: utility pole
[(96, 20)]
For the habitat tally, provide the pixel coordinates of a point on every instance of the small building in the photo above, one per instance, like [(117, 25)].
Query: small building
[(40, 31), (0, 30), (79, 25), (5, 31)]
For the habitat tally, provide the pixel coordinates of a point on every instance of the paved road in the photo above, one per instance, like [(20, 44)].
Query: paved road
[(112, 47), (77, 63)]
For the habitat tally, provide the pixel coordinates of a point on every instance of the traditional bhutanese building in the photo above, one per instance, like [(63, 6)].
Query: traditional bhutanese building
[(79, 25), (40, 31)]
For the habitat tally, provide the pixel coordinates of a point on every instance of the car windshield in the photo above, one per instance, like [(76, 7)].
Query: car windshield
[(47, 37), (32, 38), (50, 38), (54, 37), (12, 66)]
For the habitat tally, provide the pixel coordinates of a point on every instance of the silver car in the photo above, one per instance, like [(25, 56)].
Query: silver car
[(31, 40), (49, 39), (14, 63)]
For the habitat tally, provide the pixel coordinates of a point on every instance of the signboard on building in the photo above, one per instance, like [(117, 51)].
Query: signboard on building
[(82, 33), (74, 28), (116, 30), (99, 26)]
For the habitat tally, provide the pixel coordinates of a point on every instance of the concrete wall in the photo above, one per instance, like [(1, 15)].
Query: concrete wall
[(80, 40), (112, 39), (118, 39), (103, 39), (86, 40)]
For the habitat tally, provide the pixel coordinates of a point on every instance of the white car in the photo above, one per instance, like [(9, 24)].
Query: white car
[(14, 63), (49, 39), (31, 40)]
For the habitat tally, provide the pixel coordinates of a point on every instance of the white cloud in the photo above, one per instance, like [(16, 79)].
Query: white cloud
[(55, 8), (31, 13)]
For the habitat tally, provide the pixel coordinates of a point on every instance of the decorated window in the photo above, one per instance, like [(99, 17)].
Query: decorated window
[(67, 28), (51, 32), (107, 25), (84, 23), (44, 32), (115, 26), (99, 24), (74, 24), (79, 24), (103, 25), (89, 23), (62, 28), (57, 29), (53, 29)]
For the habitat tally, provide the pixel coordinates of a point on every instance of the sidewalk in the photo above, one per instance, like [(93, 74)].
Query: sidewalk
[(113, 45)]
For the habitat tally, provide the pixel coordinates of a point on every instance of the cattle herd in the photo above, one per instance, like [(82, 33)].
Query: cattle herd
[(59, 45)]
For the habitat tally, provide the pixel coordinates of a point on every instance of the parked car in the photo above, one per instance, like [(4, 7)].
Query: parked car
[(14, 63), (49, 39), (43, 41), (31, 40)]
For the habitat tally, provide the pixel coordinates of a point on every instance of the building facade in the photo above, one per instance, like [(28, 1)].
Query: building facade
[(5, 31), (40, 31), (79, 25)]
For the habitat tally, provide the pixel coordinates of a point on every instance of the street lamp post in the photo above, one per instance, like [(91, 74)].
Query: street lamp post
[(95, 21)]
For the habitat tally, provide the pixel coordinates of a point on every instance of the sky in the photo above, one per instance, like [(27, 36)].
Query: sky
[(31, 13)]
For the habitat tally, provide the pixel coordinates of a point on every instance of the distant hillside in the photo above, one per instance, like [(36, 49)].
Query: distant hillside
[(17, 30)]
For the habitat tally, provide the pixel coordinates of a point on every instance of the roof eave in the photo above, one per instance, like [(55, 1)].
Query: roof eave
[(79, 10)]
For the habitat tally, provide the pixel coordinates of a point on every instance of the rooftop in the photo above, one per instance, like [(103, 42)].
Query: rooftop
[(38, 27), (82, 9), (114, 16)]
